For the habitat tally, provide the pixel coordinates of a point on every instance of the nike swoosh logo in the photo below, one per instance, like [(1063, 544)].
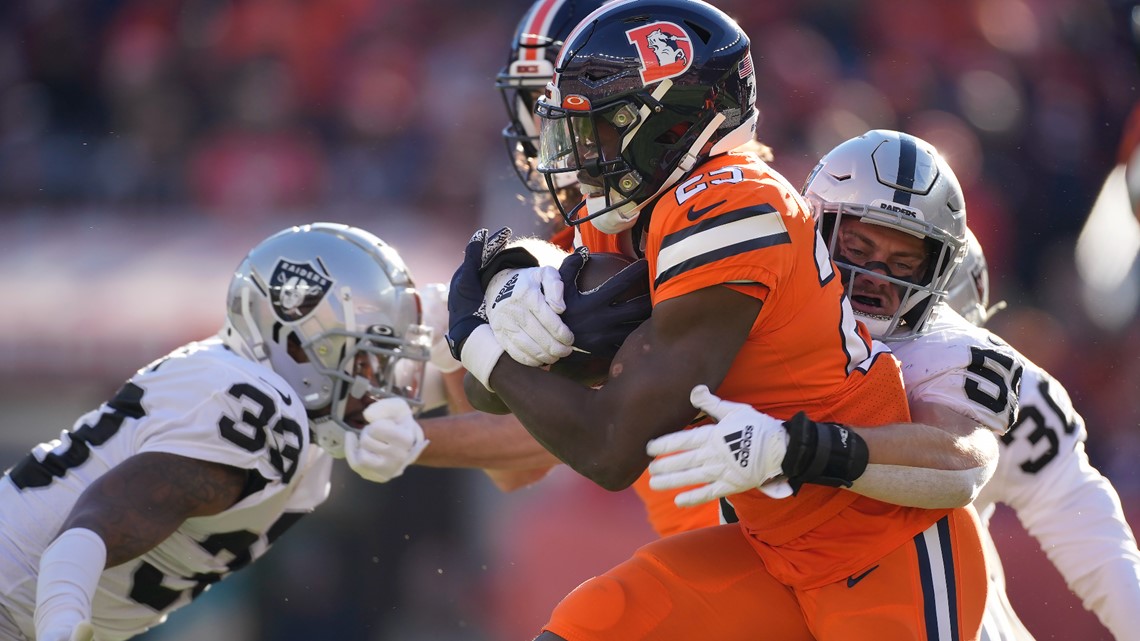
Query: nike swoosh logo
[(852, 580), (285, 397), (694, 214)]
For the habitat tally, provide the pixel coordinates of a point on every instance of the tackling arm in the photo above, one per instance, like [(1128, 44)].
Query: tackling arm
[(906, 464), (941, 460), (143, 500)]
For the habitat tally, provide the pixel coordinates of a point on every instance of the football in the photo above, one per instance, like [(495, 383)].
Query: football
[(589, 369)]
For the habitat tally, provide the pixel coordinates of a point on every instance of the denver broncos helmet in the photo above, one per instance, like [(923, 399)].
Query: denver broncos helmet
[(643, 91), (530, 66), (899, 181), (333, 310)]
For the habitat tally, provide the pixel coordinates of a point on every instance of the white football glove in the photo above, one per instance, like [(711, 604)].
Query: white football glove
[(523, 307), (390, 442), (743, 450)]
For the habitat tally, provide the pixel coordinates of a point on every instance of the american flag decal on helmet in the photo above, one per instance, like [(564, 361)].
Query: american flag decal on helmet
[(746, 65)]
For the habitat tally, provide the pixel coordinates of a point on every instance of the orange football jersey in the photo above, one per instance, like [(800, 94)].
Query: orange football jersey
[(736, 222)]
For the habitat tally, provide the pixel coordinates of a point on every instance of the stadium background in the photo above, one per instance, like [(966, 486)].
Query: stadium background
[(145, 145)]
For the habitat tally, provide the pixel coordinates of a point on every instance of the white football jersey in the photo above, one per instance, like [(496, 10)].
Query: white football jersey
[(962, 368), (1044, 474), (201, 401)]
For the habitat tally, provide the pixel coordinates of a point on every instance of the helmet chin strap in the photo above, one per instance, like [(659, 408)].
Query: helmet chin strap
[(623, 217)]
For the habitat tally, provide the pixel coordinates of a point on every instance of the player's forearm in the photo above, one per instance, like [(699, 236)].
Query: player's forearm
[(923, 446), (479, 440), (919, 465), (565, 420), (921, 487), (66, 582)]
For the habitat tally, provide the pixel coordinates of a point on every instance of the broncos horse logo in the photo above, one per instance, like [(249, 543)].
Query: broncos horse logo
[(665, 49)]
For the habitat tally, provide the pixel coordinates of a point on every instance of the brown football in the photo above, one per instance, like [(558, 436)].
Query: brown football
[(600, 267)]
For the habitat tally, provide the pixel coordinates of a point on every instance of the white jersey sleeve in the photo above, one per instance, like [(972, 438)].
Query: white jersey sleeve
[(963, 368), (1074, 512)]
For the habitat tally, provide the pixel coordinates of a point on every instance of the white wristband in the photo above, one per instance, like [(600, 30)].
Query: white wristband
[(68, 577), (481, 352)]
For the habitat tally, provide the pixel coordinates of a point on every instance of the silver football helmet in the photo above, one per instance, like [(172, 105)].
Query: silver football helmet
[(969, 289), (898, 181), (334, 311)]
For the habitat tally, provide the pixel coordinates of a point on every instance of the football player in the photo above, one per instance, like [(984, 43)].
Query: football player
[(498, 444), (204, 457), (1044, 474), (650, 101)]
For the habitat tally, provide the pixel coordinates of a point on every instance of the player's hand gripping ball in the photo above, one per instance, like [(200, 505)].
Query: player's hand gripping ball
[(608, 299)]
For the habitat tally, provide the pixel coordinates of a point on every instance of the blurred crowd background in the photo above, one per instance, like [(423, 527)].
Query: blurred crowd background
[(145, 145)]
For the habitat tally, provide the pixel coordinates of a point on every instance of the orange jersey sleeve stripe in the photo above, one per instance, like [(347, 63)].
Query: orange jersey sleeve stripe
[(730, 234)]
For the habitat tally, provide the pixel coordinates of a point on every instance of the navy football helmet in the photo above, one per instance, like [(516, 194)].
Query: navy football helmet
[(530, 66), (643, 91)]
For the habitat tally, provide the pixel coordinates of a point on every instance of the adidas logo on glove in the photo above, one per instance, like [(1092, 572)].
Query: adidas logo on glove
[(740, 444), (507, 290)]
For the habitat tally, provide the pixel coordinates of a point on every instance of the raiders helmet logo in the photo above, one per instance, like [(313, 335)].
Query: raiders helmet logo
[(296, 289), (666, 50)]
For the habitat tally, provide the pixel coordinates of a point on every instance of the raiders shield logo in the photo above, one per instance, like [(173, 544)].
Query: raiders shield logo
[(666, 50), (296, 289)]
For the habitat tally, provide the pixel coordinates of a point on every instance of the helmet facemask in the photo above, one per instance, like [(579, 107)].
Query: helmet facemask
[(520, 94), (373, 365), (894, 299), (588, 144)]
